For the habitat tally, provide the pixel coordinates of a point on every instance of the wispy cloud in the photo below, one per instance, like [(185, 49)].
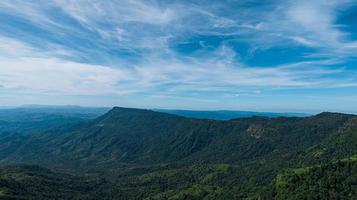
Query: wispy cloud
[(33, 70), (92, 47), (25, 68), (311, 24)]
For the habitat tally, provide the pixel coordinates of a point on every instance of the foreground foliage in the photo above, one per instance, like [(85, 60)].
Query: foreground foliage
[(32, 182), (336, 180)]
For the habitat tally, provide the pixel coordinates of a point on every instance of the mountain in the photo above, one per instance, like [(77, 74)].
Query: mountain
[(149, 154), (226, 114), (144, 136)]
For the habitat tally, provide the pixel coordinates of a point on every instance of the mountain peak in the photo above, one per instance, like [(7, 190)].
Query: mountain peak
[(124, 110), (117, 114), (330, 114)]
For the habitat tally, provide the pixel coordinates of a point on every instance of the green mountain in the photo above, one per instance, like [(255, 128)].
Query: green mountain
[(154, 155), (143, 136)]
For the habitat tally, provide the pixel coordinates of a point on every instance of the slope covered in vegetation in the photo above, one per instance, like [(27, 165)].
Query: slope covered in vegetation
[(32, 182), (336, 180), (146, 154)]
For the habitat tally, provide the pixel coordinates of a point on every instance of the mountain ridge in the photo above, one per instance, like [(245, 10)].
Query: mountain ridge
[(228, 114), (127, 133), (140, 150)]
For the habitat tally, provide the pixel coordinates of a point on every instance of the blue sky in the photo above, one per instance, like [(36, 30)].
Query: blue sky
[(298, 55)]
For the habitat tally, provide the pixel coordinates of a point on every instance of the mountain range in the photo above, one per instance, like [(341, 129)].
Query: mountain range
[(144, 154), (228, 114)]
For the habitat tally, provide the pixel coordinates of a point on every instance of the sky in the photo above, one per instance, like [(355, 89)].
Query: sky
[(272, 55)]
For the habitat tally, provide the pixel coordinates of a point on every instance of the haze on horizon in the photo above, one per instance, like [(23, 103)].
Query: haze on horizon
[(282, 56)]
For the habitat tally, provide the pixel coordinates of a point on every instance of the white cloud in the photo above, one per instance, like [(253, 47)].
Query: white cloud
[(316, 19), (146, 25), (147, 28), (303, 41), (51, 75), (312, 24), (33, 70), (127, 11), (12, 48), (29, 69)]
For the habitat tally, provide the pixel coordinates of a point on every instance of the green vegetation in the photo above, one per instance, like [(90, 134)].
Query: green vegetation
[(141, 154), (2, 192), (31, 182), (336, 180)]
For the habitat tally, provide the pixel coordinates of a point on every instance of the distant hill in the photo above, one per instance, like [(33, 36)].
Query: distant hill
[(149, 154), (31, 119), (29, 112), (226, 114)]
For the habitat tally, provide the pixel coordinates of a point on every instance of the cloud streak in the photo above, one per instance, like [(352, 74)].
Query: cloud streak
[(33, 70), (172, 48)]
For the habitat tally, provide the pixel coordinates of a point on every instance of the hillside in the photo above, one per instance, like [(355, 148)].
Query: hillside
[(150, 153), (143, 136), (335, 180), (36, 183)]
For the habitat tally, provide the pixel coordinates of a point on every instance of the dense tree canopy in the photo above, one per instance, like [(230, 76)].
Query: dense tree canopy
[(141, 154)]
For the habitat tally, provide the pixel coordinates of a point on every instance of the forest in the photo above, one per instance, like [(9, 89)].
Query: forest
[(143, 154)]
